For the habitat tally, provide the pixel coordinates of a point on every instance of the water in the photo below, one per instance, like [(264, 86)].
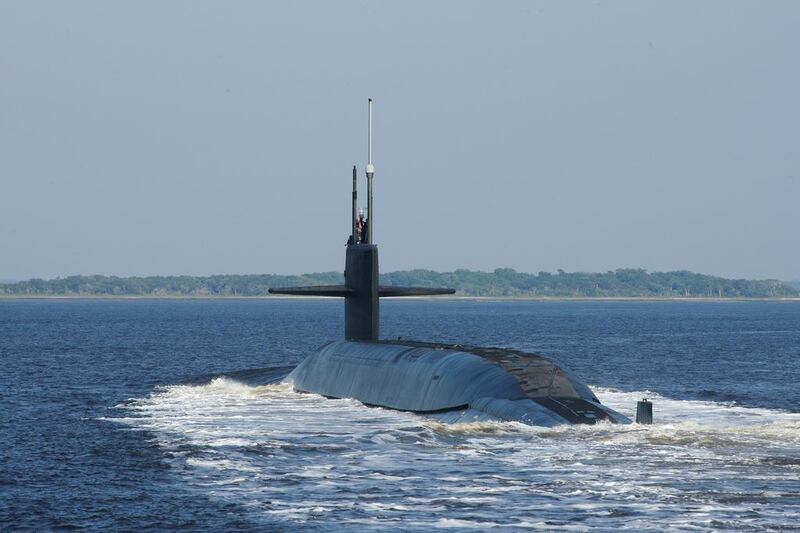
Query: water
[(150, 414)]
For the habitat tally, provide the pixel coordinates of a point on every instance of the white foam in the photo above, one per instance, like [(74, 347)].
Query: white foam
[(325, 462)]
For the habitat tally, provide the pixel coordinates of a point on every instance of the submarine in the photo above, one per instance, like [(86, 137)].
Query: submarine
[(450, 383)]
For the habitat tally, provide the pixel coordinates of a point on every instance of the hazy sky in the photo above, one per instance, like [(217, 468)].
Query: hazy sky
[(192, 137)]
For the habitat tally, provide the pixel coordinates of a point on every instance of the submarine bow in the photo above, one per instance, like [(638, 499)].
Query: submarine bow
[(451, 383)]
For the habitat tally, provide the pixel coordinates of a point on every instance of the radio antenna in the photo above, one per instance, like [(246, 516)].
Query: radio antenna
[(370, 173), (353, 234)]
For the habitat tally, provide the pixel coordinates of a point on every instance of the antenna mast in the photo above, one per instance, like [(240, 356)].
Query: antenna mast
[(353, 216), (370, 173)]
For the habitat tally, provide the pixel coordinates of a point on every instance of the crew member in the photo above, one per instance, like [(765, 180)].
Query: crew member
[(361, 228), (365, 231)]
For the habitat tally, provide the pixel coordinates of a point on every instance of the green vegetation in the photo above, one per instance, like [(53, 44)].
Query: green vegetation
[(501, 282)]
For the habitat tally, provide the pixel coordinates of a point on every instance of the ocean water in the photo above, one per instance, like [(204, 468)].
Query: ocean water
[(161, 415)]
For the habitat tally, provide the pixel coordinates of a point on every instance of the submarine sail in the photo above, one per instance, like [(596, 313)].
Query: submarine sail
[(451, 383)]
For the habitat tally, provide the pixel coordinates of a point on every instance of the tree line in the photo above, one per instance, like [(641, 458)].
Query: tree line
[(505, 282)]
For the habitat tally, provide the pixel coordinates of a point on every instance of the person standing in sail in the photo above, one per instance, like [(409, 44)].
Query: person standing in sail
[(361, 228)]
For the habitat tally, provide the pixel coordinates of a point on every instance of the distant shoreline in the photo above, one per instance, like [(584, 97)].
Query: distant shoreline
[(502, 283), (55, 297)]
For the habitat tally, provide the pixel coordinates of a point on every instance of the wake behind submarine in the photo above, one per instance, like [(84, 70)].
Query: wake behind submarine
[(448, 382)]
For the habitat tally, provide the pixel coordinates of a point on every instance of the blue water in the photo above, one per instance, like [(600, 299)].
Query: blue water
[(153, 414)]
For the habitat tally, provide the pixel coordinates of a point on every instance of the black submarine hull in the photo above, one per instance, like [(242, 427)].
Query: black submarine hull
[(451, 383)]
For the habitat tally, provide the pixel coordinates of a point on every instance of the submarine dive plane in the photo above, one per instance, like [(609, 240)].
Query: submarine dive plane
[(448, 382)]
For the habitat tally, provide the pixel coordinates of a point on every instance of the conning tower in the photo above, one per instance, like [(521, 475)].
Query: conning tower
[(361, 290)]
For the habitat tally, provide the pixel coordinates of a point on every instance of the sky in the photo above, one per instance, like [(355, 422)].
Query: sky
[(195, 137)]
